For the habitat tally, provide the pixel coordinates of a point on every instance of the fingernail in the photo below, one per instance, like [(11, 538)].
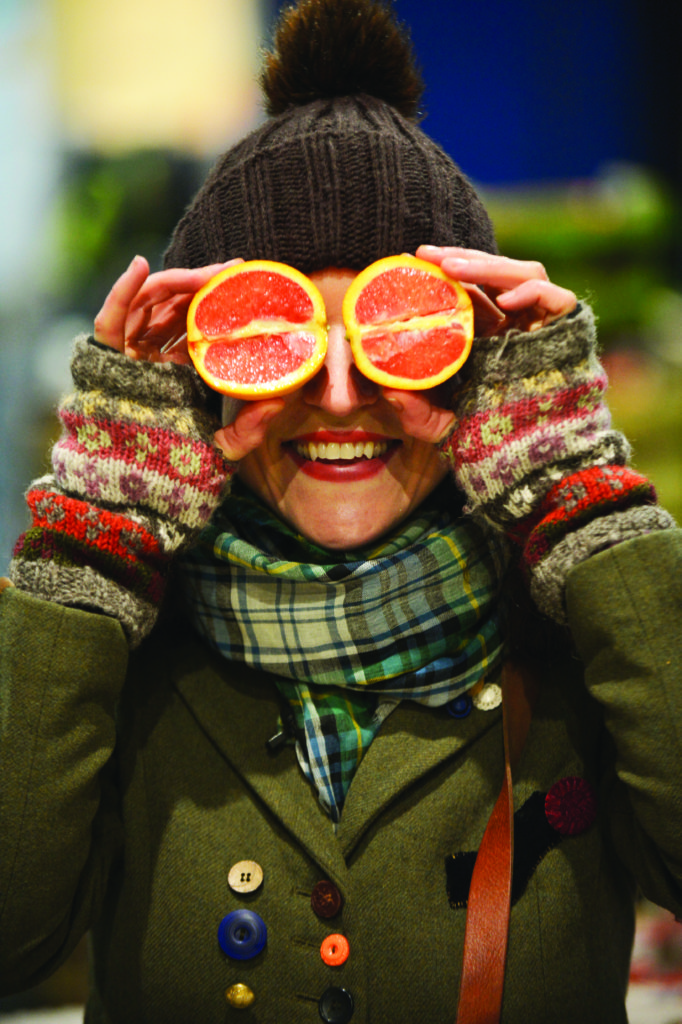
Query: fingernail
[(394, 401), (430, 248)]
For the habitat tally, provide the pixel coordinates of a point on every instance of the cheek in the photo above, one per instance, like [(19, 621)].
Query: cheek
[(423, 468)]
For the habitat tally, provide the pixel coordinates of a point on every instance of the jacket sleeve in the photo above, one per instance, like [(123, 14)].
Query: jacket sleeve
[(625, 611), (61, 671)]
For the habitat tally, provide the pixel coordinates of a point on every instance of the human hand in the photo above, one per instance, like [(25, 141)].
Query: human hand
[(506, 293), (145, 315), (248, 427), (422, 414)]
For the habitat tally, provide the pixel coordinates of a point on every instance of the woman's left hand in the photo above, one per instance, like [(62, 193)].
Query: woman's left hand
[(506, 294), (520, 290)]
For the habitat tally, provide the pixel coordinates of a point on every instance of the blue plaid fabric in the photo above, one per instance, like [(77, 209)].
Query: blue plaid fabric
[(415, 617)]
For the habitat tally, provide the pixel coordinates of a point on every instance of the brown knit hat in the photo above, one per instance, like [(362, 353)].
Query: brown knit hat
[(341, 175)]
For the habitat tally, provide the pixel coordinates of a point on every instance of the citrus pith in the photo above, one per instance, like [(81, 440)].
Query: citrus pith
[(410, 326), (257, 329)]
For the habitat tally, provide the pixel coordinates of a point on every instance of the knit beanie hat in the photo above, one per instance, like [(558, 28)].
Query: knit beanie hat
[(339, 175)]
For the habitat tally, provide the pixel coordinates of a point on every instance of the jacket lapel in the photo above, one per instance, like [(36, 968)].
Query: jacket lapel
[(412, 743), (238, 710)]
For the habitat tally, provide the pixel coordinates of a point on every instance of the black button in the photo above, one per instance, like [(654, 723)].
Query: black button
[(242, 934), (336, 1006), (325, 899), (460, 707)]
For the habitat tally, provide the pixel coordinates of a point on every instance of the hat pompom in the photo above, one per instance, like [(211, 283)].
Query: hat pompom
[(330, 48)]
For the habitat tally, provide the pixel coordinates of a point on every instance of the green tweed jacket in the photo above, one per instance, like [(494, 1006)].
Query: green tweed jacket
[(131, 785)]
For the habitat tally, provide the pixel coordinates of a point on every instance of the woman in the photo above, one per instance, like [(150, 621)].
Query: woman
[(310, 736)]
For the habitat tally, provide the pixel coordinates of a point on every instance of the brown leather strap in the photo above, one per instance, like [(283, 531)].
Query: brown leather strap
[(487, 922)]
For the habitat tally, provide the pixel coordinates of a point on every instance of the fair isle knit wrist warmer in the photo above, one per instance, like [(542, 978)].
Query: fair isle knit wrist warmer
[(534, 452), (136, 477)]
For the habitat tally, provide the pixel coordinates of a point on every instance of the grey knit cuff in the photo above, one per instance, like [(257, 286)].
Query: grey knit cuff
[(562, 344), (548, 577), (169, 385), (136, 477), (87, 589)]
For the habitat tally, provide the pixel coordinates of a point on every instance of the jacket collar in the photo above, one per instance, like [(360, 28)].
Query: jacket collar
[(238, 709)]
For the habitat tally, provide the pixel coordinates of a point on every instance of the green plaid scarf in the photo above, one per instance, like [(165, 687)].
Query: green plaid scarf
[(414, 617)]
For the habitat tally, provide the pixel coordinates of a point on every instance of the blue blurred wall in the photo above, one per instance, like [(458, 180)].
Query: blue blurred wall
[(529, 91)]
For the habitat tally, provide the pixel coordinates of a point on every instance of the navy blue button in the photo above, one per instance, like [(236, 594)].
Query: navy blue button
[(460, 707), (242, 934), (336, 1005)]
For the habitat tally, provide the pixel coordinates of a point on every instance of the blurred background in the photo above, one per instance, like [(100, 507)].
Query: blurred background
[(567, 115)]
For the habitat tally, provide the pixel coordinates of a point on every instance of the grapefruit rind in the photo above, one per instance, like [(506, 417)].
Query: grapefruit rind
[(201, 341), (458, 320)]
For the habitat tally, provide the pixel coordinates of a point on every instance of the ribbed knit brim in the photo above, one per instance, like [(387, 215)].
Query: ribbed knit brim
[(336, 183)]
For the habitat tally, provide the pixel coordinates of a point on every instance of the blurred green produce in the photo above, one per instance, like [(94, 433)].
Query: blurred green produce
[(613, 240)]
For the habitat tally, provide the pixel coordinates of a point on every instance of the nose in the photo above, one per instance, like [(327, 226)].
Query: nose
[(338, 387)]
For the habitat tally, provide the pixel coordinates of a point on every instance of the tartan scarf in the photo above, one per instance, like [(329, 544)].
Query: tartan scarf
[(348, 636)]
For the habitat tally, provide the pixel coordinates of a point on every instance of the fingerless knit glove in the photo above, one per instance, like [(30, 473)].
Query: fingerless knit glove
[(136, 477), (535, 454)]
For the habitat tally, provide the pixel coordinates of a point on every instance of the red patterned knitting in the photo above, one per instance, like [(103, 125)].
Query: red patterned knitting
[(580, 498)]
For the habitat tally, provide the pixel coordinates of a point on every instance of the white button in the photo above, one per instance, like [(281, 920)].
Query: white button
[(489, 698), (245, 876)]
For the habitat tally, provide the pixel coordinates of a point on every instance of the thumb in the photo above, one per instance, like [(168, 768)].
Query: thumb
[(248, 429), (419, 417)]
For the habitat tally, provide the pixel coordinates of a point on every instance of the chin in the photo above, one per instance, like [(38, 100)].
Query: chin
[(346, 536)]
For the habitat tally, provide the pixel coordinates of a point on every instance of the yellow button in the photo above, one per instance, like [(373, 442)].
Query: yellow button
[(245, 876), (240, 996)]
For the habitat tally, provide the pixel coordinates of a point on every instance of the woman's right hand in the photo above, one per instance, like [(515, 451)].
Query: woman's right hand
[(145, 316)]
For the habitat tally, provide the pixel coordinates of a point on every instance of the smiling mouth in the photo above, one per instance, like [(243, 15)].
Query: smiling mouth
[(341, 451)]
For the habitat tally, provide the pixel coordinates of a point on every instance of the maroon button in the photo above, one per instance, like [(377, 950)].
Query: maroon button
[(325, 899), (571, 806)]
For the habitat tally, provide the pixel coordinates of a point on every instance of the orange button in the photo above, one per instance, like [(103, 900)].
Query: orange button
[(334, 950)]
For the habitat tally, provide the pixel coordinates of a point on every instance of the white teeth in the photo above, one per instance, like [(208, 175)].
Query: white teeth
[(348, 450)]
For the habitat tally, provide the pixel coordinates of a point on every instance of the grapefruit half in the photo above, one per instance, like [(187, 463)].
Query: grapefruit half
[(257, 329), (410, 326)]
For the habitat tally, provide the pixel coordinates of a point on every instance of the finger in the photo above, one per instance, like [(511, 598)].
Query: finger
[(486, 313), (168, 284), (437, 253), (109, 327), (157, 323), (248, 429), (419, 417), (497, 272), (550, 300), (157, 317)]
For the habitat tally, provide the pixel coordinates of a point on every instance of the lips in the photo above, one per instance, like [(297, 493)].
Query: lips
[(341, 455)]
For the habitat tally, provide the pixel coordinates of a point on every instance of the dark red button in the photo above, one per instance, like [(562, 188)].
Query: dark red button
[(571, 806), (325, 899)]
